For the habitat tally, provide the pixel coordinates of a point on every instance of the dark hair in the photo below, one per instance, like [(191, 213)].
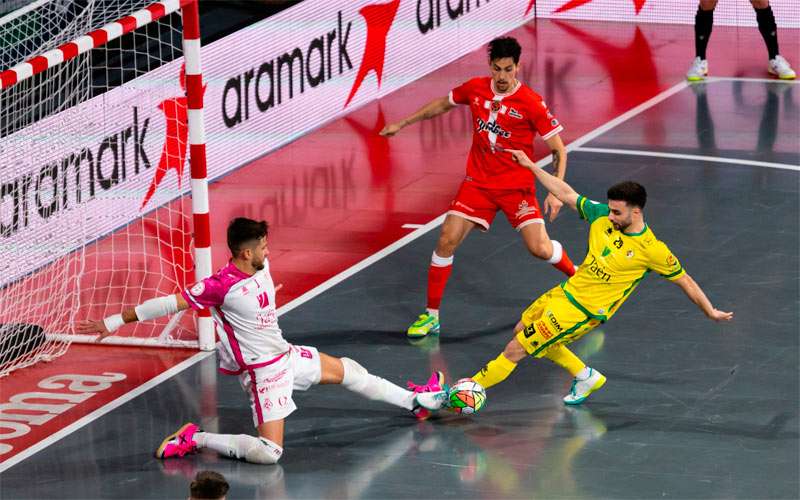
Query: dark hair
[(630, 192), (242, 230), (505, 46), (208, 484)]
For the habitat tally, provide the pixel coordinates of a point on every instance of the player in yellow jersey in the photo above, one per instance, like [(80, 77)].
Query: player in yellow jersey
[(622, 250)]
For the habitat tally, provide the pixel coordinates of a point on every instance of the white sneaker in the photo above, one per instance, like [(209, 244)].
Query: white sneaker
[(581, 389), (698, 70), (780, 68)]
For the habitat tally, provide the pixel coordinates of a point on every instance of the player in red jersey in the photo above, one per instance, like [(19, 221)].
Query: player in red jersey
[(505, 115)]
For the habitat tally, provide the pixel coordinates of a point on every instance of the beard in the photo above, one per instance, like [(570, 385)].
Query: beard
[(621, 227), (258, 265)]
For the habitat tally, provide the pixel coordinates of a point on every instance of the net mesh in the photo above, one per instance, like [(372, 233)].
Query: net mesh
[(91, 173)]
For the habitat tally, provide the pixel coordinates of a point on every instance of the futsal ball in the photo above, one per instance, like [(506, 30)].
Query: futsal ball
[(467, 396)]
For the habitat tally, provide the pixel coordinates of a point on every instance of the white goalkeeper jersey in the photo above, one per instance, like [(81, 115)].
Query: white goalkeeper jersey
[(244, 309)]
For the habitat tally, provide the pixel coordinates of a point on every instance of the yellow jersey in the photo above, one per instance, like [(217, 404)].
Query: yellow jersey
[(615, 263)]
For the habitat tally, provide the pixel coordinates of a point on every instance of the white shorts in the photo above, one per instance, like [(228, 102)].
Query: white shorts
[(271, 393)]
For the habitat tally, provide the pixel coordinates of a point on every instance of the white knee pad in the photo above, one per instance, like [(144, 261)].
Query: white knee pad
[(355, 376), (262, 451)]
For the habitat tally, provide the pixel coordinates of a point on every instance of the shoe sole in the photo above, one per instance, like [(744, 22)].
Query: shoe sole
[(779, 77), (600, 383), (160, 450), (414, 335), (695, 78)]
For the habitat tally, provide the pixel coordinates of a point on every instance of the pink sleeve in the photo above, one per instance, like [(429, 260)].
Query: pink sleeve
[(207, 293)]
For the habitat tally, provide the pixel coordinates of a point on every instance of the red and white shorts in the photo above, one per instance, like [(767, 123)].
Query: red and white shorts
[(270, 387), (481, 205)]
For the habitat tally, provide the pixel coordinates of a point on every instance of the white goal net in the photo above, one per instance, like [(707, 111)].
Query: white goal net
[(93, 164)]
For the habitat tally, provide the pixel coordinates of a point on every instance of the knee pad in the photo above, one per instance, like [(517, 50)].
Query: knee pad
[(263, 451)]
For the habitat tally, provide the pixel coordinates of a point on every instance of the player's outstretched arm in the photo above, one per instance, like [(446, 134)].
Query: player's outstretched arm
[(434, 108), (696, 295), (552, 205), (149, 309), (556, 186)]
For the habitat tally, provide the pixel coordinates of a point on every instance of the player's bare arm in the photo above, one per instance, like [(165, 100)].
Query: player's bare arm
[(696, 295), (426, 112), (150, 309), (556, 186), (552, 205)]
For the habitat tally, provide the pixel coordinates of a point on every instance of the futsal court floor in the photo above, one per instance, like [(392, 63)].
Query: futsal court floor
[(692, 409)]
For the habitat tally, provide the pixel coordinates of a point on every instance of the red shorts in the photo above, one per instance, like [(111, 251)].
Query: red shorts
[(481, 205)]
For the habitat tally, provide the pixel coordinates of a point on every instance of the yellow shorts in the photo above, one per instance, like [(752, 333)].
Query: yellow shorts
[(552, 320)]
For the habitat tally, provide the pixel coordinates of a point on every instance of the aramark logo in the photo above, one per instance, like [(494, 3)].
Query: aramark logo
[(492, 127), (325, 57), (429, 13)]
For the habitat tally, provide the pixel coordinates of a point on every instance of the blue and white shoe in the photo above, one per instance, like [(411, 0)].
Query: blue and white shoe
[(581, 388)]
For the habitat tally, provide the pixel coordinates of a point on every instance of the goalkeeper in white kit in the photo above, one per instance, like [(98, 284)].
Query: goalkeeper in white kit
[(241, 297)]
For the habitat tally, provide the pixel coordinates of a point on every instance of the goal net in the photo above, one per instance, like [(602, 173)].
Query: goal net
[(100, 137)]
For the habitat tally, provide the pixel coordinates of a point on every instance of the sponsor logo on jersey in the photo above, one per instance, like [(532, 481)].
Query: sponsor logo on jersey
[(554, 122), (263, 300), (618, 242), (495, 106), (598, 270), (198, 289), (629, 254), (493, 128), (513, 113), (671, 260)]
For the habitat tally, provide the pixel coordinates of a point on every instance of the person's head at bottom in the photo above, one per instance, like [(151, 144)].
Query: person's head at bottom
[(208, 484)]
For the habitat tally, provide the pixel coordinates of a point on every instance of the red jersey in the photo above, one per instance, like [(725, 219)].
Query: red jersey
[(509, 121)]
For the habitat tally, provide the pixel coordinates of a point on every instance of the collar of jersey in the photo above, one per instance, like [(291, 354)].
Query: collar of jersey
[(232, 269), (639, 233), (502, 96)]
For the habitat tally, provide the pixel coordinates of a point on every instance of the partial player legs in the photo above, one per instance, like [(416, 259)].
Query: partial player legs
[(258, 450), (540, 245), (454, 230)]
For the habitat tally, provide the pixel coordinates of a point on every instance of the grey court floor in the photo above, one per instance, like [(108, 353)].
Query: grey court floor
[(692, 409)]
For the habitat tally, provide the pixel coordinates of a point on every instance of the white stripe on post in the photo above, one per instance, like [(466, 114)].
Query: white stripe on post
[(84, 43), (206, 323), (192, 63), (142, 17), (23, 70), (200, 196), (197, 129), (54, 57), (171, 5), (113, 30), (202, 266)]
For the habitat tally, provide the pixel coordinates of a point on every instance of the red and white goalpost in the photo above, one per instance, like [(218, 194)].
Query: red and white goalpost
[(95, 131)]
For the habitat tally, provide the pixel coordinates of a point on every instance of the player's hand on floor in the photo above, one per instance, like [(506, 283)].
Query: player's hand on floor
[(88, 327), (552, 206), (718, 315), (390, 130), (520, 157)]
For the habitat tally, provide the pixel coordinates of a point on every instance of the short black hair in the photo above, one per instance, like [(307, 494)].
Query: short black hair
[(630, 192), (504, 46), (242, 230), (208, 484)]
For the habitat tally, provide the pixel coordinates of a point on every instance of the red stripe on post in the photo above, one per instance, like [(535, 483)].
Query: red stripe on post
[(202, 231), (8, 78), (100, 37), (194, 91), (198, 161), (157, 10), (191, 21), (128, 24), (39, 64), (70, 50)]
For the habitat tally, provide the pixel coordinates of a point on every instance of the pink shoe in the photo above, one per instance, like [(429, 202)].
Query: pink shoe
[(180, 443), (435, 384)]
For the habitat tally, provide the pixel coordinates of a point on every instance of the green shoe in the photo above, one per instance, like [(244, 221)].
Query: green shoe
[(427, 323)]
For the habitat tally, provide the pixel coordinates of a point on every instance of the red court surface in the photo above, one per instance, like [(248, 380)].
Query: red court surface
[(342, 193)]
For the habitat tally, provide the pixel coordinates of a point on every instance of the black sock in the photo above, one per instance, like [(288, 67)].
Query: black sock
[(768, 29), (703, 22)]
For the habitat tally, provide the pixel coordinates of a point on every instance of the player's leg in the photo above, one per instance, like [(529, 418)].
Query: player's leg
[(265, 449), (540, 245), (454, 230), (703, 24), (777, 65), (354, 377), (499, 369)]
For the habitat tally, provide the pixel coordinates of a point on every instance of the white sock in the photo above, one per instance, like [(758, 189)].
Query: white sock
[(359, 380), (583, 374), (256, 450), (558, 252), (433, 312)]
